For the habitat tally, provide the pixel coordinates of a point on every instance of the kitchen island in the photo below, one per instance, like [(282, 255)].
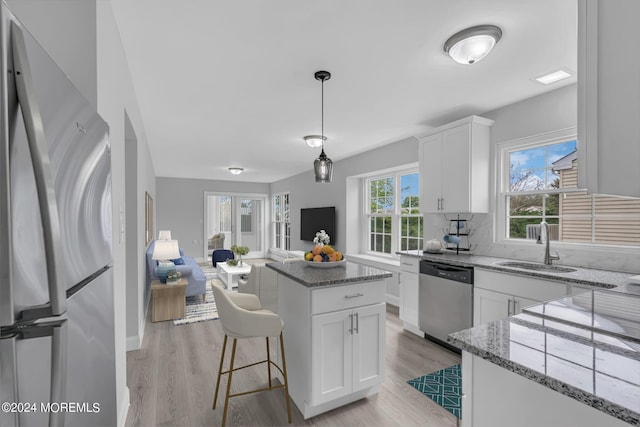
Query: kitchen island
[(334, 332), (585, 347)]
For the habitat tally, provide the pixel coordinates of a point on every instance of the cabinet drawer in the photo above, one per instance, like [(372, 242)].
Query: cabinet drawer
[(516, 285), (347, 296), (410, 264)]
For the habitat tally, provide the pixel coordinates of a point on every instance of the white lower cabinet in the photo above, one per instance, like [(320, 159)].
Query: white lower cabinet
[(498, 295), (409, 278), (334, 338), (346, 352), (491, 305)]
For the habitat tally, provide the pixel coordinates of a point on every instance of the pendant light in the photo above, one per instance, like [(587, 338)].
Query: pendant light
[(323, 166)]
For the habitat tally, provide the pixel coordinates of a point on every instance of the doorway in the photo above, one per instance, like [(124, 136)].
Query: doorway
[(235, 219)]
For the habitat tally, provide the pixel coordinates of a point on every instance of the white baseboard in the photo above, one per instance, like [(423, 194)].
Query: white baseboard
[(134, 342), (393, 300), (123, 408), (413, 329)]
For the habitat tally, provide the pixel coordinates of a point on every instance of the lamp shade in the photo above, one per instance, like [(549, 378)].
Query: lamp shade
[(165, 250), (323, 167), (164, 235)]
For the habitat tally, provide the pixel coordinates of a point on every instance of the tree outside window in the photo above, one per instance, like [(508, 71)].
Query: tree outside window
[(542, 185), (393, 215)]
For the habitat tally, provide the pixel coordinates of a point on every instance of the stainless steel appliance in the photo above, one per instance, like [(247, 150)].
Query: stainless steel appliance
[(57, 361), (445, 300)]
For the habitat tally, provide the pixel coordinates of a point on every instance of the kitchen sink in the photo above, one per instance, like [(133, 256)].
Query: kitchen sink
[(537, 267)]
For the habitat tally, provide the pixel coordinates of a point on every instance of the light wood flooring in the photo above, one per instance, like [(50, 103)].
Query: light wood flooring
[(172, 379)]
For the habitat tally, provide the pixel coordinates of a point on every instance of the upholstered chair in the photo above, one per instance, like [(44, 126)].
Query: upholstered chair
[(242, 316), (221, 255)]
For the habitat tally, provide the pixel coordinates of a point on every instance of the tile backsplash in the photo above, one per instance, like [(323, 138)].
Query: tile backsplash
[(578, 255)]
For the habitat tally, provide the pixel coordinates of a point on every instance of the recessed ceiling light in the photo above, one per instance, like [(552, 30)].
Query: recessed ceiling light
[(315, 141), (472, 44), (553, 77), (236, 171)]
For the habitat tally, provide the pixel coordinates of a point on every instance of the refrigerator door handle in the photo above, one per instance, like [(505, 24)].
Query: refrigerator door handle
[(42, 171), (57, 330)]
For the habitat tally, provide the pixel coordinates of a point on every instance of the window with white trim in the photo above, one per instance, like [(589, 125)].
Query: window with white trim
[(281, 228), (539, 183), (393, 219)]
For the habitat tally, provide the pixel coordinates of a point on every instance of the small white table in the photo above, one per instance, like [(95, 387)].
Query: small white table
[(230, 274)]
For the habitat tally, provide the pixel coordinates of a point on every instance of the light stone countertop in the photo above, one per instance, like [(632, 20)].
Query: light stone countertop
[(592, 365), (583, 276), (344, 274)]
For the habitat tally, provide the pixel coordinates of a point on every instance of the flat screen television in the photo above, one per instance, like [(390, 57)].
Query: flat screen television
[(313, 220)]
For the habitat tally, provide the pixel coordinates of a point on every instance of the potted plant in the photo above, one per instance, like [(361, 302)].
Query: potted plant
[(239, 251)]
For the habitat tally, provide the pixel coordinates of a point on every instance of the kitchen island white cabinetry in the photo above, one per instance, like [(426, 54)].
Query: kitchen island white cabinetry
[(454, 167), (334, 333), (409, 278), (608, 97), (496, 397), (346, 351), (498, 295)]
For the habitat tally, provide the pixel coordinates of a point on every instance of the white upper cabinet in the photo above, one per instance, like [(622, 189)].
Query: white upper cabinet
[(609, 97), (454, 167)]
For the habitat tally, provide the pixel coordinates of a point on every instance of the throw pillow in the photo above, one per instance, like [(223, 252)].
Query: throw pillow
[(178, 261)]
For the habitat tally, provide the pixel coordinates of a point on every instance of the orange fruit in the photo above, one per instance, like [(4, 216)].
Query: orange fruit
[(317, 258), (316, 250), (333, 257), (338, 255), (326, 249)]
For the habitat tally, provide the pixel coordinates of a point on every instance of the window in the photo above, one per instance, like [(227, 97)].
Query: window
[(281, 225), (541, 185), (394, 221)]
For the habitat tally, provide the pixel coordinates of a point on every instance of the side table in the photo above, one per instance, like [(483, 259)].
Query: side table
[(168, 300)]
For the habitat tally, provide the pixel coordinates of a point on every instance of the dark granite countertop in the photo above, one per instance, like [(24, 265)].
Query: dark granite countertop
[(582, 276), (344, 274)]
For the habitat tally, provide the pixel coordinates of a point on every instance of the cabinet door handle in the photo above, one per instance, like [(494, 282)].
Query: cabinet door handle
[(357, 329), (351, 327), (354, 296), (442, 203), (438, 204), (509, 307), (515, 307)]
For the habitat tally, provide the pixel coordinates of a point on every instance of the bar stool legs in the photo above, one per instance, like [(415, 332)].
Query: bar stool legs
[(269, 362)]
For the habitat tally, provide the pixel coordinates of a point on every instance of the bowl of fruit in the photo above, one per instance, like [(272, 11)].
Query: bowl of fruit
[(324, 256)]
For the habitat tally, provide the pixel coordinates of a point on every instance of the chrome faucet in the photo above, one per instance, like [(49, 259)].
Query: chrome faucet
[(548, 258)]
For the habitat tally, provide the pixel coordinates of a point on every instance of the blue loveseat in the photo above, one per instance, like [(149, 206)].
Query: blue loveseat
[(190, 270)]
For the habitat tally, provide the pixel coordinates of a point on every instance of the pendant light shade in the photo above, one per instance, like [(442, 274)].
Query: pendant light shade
[(323, 166)]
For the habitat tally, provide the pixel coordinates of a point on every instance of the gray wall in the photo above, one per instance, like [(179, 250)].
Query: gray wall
[(306, 193), (67, 31), (179, 206)]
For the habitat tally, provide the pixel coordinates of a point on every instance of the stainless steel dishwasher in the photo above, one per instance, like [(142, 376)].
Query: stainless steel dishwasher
[(445, 300)]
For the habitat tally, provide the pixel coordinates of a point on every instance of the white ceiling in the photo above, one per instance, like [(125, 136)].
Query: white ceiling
[(230, 83)]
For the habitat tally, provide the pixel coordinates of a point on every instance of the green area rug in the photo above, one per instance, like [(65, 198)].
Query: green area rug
[(443, 387)]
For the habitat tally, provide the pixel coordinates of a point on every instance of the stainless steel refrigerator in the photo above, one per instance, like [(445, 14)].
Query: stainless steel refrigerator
[(57, 361)]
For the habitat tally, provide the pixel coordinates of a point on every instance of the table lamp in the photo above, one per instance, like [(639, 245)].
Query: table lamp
[(164, 235), (163, 252)]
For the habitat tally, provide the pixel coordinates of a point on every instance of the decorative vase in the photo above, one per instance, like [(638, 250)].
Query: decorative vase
[(239, 260)]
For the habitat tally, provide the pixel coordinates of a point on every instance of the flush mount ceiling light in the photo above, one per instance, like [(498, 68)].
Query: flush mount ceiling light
[(315, 141), (323, 166), (553, 77), (236, 171), (472, 44)]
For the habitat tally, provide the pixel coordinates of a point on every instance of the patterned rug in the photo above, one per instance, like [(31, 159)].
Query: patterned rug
[(443, 387), (209, 271), (198, 310)]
